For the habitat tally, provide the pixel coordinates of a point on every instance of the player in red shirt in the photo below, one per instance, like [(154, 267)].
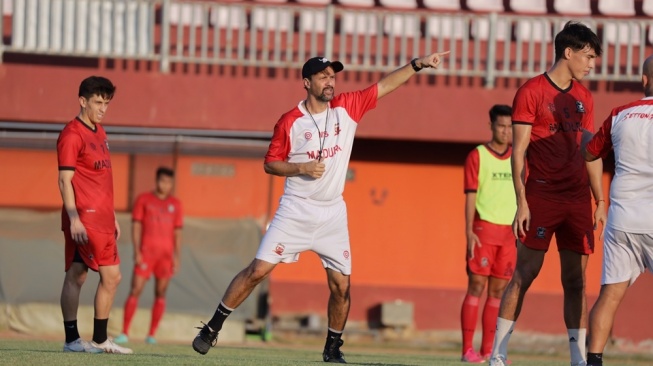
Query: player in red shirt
[(87, 217), (549, 113), (156, 234)]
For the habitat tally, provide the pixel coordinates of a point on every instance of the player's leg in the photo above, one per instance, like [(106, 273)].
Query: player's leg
[(496, 287), (602, 318), (159, 306), (140, 276), (337, 313)]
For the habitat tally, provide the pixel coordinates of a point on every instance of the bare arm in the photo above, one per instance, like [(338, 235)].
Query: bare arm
[(396, 78), (313, 168), (77, 229), (594, 167), (177, 254), (137, 230), (521, 135), (470, 213)]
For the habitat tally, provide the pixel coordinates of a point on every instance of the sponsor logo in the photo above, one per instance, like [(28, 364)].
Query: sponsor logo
[(308, 135), (540, 233), (573, 339), (324, 60), (337, 129), (171, 208), (93, 147), (552, 107), (102, 164), (345, 254), (580, 108), (509, 270), (106, 142), (484, 262), (326, 153), (501, 176), (279, 249), (565, 127)]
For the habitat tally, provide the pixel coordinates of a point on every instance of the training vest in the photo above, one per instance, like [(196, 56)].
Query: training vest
[(495, 197)]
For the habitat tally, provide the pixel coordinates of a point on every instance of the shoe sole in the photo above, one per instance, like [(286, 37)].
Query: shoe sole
[(199, 350)]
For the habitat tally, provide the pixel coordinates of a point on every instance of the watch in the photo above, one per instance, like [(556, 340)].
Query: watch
[(414, 65)]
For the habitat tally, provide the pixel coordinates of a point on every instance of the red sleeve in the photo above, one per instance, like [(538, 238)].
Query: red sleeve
[(601, 143), (280, 144), (69, 146), (471, 171), (179, 219), (138, 212), (588, 121), (357, 103), (524, 106)]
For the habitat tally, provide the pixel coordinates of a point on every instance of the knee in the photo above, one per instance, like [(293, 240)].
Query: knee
[(76, 279), (573, 283), (340, 289), (256, 274), (111, 280), (475, 288)]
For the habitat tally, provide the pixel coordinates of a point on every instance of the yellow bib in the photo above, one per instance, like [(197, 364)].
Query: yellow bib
[(495, 197)]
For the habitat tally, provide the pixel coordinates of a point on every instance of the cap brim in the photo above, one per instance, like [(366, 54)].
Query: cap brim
[(337, 66)]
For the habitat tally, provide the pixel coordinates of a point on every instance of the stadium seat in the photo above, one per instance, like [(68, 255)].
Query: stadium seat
[(272, 18), (315, 2), (528, 6), (647, 7), (359, 23), (186, 14), (399, 24), (622, 32), (399, 4), (442, 4), (228, 16), (538, 29), (572, 7), (481, 29), (313, 20), (617, 7), (361, 3), (448, 27), (486, 5), (7, 7)]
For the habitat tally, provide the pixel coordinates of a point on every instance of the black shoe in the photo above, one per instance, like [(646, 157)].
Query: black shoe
[(205, 339), (332, 352)]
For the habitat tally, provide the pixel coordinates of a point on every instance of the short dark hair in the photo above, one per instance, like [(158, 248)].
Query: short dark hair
[(164, 171), (97, 85), (577, 36), (499, 110)]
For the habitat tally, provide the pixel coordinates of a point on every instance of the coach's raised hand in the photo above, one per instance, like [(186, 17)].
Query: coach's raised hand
[(431, 61), (393, 80)]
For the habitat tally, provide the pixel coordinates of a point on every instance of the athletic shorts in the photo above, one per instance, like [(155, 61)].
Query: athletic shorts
[(101, 249), (571, 222), (625, 256), (498, 252), (159, 265), (302, 224)]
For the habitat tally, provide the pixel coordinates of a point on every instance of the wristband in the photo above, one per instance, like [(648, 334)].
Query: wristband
[(414, 65)]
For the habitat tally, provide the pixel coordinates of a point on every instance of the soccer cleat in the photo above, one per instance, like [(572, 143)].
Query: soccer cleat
[(581, 363), (489, 355), (110, 347), (80, 345), (498, 360), (332, 352), (472, 357), (121, 338), (150, 340), (205, 339)]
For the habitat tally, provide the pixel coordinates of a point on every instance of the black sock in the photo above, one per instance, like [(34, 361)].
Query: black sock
[(221, 314), (100, 330), (595, 359), (72, 333), (331, 337)]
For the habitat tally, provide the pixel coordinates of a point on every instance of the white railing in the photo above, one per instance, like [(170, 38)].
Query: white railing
[(171, 32)]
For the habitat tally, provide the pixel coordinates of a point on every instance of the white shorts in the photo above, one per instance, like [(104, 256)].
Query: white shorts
[(302, 224), (625, 256)]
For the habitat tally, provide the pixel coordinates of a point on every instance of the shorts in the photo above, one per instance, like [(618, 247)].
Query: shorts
[(159, 265), (302, 224), (101, 250), (498, 252), (571, 222), (625, 256)]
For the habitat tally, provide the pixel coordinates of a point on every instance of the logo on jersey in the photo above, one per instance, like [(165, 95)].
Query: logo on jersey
[(102, 164), (580, 108), (279, 249), (541, 232), (93, 147), (106, 142), (171, 208), (337, 128), (345, 254), (552, 107), (501, 176), (509, 270), (308, 135)]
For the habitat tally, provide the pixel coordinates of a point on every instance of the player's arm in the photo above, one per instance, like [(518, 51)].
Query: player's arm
[(177, 253), (117, 226), (470, 213), (77, 229), (396, 78), (314, 168), (521, 135), (137, 231)]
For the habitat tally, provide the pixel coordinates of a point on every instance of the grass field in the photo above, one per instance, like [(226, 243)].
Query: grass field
[(48, 352)]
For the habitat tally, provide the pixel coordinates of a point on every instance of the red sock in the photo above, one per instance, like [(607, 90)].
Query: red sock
[(130, 309), (490, 314), (468, 317), (158, 309)]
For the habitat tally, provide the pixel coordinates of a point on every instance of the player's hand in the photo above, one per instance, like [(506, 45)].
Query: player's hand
[(600, 216), (315, 168), (431, 61), (175, 265), (115, 221), (472, 242), (138, 258), (78, 232), (522, 221)]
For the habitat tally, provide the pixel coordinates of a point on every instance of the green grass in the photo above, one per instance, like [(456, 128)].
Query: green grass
[(42, 352)]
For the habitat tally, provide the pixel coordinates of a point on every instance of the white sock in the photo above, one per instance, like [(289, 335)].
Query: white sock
[(577, 345), (502, 336)]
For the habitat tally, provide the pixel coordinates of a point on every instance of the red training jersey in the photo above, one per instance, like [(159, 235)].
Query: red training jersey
[(86, 151), (159, 219), (556, 169)]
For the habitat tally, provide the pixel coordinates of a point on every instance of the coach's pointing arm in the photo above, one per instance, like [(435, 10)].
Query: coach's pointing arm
[(396, 78)]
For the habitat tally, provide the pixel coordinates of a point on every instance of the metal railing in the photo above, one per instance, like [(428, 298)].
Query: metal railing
[(173, 32)]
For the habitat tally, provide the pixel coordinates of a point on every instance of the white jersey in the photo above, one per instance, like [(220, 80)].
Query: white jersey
[(629, 130), (299, 137)]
